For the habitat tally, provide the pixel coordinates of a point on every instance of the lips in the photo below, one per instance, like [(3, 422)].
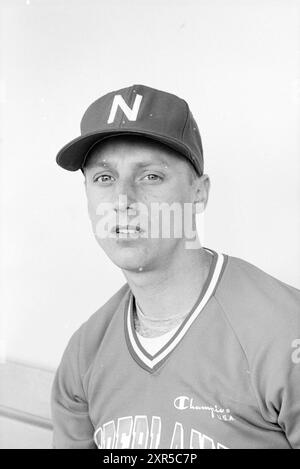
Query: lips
[(128, 229)]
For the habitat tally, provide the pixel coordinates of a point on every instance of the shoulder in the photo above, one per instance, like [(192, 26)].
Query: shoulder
[(262, 310), (105, 313), (85, 341), (264, 315), (248, 287)]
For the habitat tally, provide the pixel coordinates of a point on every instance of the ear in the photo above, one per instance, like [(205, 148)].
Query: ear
[(202, 187)]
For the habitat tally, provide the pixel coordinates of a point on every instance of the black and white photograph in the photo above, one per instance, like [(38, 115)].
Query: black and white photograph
[(150, 226)]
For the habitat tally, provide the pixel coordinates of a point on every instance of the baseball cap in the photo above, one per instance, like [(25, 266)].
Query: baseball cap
[(136, 110)]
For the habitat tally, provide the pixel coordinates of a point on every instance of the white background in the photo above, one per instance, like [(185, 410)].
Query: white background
[(237, 63)]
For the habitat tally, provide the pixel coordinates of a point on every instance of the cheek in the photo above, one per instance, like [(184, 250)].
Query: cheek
[(92, 208), (94, 205), (94, 201), (167, 193)]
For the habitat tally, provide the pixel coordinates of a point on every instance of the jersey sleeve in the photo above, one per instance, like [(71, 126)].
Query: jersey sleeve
[(72, 427), (277, 377), (289, 415), (264, 314)]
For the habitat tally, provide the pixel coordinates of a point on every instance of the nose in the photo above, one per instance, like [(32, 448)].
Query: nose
[(124, 195)]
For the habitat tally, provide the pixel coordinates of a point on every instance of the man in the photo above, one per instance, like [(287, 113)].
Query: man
[(198, 349)]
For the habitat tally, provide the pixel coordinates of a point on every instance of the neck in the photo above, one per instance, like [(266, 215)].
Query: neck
[(171, 290)]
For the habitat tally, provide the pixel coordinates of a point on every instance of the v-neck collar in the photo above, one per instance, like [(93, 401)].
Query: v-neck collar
[(152, 362)]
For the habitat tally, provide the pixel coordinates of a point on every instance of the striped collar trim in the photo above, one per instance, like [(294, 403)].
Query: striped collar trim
[(152, 362)]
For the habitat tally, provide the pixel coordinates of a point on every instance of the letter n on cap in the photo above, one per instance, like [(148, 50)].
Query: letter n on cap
[(131, 114)]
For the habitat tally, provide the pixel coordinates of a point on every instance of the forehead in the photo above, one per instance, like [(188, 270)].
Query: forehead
[(133, 150)]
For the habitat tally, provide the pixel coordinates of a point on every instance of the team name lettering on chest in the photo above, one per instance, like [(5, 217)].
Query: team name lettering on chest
[(141, 432)]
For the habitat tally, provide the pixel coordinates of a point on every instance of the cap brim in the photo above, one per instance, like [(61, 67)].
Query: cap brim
[(72, 156)]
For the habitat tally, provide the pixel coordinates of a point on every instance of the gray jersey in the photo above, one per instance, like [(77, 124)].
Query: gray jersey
[(229, 377)]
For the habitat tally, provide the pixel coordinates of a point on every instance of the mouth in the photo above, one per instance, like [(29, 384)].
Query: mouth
[(128, 230)]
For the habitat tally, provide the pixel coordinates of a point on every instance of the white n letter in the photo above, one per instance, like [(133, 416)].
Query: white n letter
[(131, 114)]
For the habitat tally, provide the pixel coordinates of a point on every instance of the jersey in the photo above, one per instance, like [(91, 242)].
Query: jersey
[(229, 377)]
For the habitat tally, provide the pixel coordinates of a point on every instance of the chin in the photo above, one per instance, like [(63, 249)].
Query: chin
[(128, 259), (131, 257), (132, 265)]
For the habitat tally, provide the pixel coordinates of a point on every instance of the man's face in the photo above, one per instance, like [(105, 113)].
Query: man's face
[(127, 179)]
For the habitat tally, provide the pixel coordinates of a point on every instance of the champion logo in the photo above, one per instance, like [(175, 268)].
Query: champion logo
[(130, 113), (187, 403)]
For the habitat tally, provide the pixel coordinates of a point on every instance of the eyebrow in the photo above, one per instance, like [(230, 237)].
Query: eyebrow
[(102, 164)]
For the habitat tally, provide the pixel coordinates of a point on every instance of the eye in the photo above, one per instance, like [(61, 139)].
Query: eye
[(153, 177), (103, 178)]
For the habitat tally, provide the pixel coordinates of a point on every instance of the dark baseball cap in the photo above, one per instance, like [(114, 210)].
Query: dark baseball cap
[(136, 110)]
